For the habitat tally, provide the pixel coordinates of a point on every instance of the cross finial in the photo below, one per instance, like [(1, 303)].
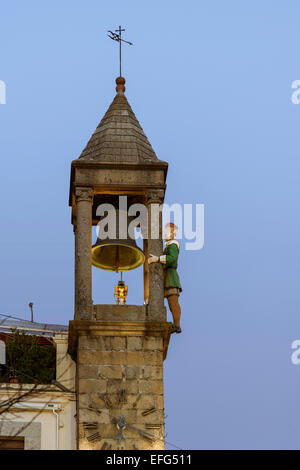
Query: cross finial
[(117, 36)]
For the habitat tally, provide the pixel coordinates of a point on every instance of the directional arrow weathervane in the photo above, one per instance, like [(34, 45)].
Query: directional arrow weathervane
[(117, 36)]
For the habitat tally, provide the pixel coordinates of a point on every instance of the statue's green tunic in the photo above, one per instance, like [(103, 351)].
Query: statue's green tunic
[(171, 278)]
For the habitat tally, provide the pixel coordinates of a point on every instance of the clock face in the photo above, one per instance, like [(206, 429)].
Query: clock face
[(122, 425), (131, 431), (148, 431)]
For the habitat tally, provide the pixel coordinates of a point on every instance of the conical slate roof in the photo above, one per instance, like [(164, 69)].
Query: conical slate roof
[(119, 136)]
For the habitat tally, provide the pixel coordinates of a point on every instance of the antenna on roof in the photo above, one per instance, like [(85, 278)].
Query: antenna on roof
[(31, 308)]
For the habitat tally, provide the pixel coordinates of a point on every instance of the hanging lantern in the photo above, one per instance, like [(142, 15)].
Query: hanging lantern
[(120, 294)]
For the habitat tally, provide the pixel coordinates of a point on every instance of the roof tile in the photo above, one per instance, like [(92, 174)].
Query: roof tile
[(119, 137)]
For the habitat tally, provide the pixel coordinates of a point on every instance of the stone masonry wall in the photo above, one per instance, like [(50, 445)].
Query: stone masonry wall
[(106, 367)]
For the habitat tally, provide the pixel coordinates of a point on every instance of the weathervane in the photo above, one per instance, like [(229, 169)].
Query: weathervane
[(117, 36)]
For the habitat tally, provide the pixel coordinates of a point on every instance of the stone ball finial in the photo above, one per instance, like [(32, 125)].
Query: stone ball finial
[(120, 81)]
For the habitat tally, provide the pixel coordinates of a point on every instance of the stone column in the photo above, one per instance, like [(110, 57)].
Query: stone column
[(83, 244), (146, 271), (157, 310)]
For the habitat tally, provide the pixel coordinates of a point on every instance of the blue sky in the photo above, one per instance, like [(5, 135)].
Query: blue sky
[(210, 82)]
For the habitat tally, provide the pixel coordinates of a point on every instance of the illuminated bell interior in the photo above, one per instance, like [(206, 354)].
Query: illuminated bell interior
[(119, 254), (113, 256)]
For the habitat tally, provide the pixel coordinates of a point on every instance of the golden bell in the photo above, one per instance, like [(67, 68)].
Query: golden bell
[(117, 254)]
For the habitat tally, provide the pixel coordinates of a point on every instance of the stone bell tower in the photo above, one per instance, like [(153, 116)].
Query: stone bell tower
[(119, 349)]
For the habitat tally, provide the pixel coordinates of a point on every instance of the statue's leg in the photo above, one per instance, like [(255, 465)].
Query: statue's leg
[(175, 308)]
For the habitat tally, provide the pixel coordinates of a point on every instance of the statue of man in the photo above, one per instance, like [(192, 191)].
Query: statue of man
[(172, 287)]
